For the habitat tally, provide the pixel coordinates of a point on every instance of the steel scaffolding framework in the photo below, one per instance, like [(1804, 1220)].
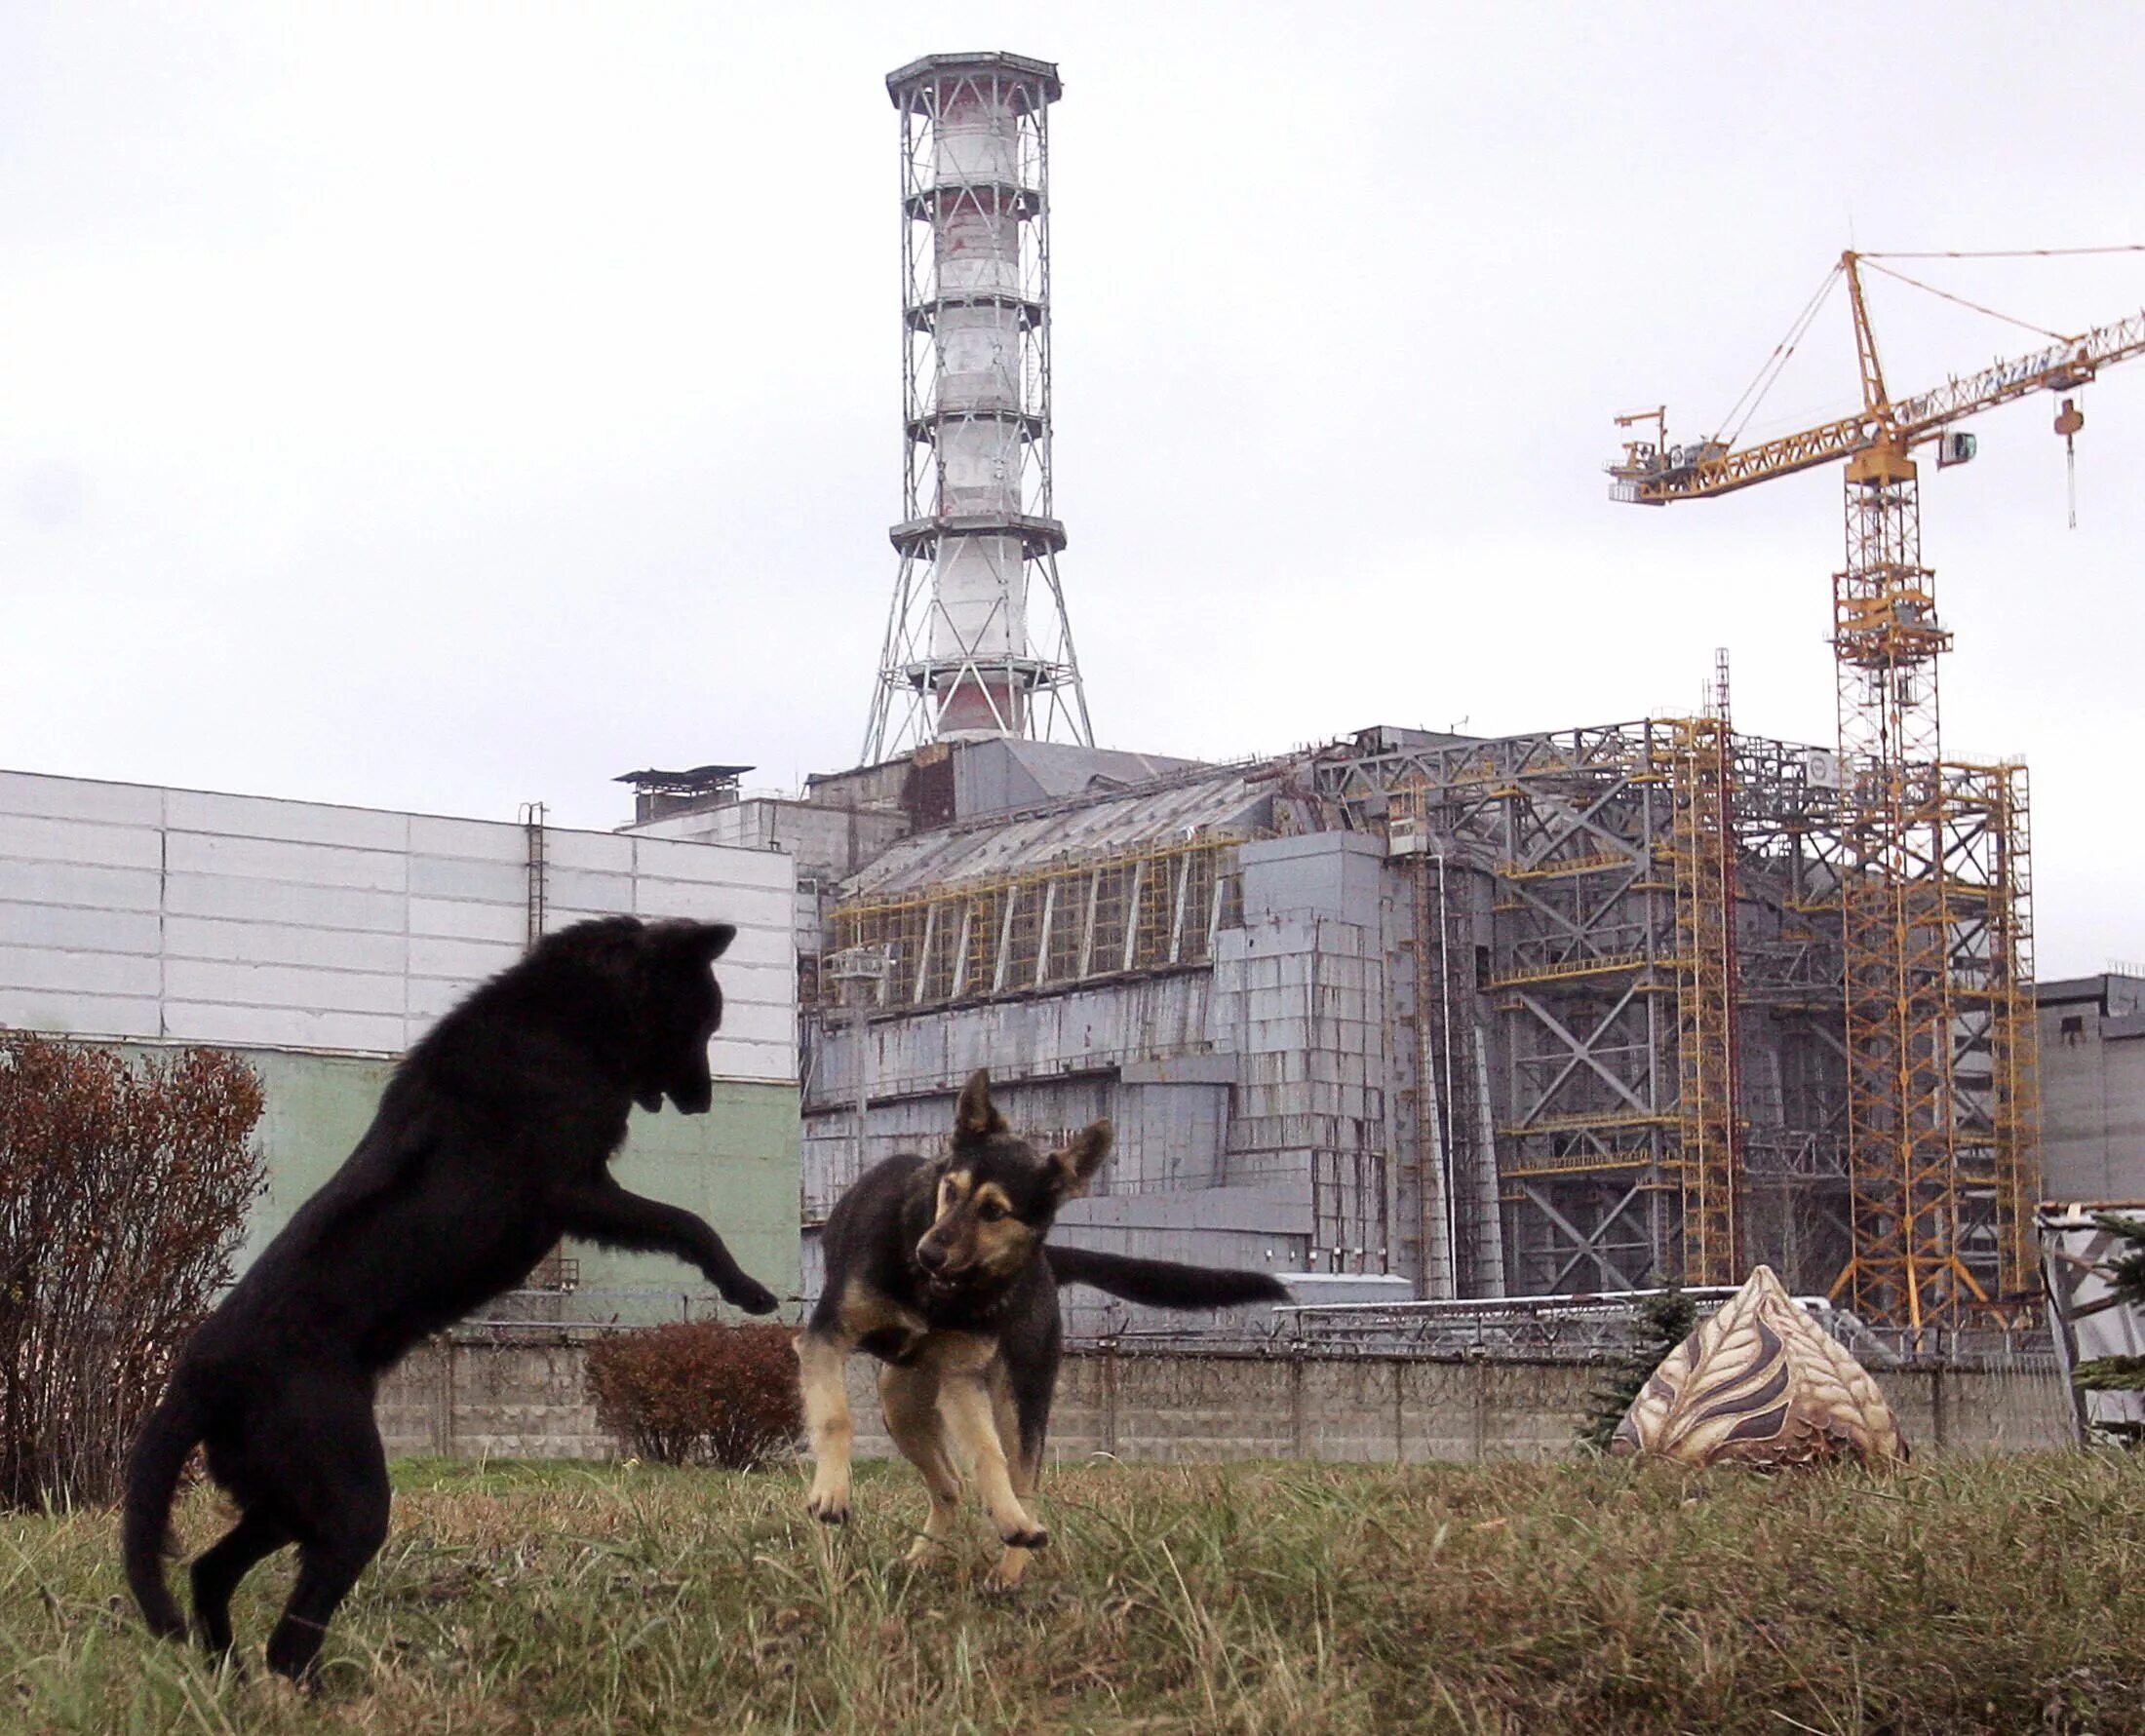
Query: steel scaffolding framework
[(1614, 990), (1702, 846), (964, 653), (1937, 937)]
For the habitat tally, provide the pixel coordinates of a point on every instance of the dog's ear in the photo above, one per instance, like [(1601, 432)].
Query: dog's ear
[(1073, 1167), (700, 942), (710, 940), (976, 1117)]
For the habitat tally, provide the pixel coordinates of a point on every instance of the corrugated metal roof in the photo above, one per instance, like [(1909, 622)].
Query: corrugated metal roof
[(1226, 799)]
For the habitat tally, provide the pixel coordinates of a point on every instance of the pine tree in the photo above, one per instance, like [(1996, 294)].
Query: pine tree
[(2126, 1275), (1664, 1320)]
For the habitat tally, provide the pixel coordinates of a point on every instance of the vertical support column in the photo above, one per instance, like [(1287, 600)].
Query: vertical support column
[(1908, 1268), (1703, 853)]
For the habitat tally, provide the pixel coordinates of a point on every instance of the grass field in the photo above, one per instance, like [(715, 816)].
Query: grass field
[(2003, 1596)]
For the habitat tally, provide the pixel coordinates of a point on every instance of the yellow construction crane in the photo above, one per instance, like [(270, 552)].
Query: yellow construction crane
[(1932, 855)]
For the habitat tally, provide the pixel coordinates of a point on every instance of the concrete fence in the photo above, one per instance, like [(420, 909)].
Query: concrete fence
[(525, 1396)]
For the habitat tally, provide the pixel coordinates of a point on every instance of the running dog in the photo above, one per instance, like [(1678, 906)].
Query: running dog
[(940, 1270), (493, 1140)]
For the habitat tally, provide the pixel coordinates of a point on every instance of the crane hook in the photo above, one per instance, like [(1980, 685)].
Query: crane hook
[(2068, 421)]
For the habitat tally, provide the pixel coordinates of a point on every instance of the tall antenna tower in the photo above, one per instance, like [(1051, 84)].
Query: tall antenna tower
[(963, 658)]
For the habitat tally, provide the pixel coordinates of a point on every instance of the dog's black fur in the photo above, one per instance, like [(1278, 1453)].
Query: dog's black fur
[(941, 1271), (493, 1140)]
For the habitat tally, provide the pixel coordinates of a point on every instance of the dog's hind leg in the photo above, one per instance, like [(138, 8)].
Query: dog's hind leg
[(215, 1574), (329, 1478), (909, 1398), (821, 1359)]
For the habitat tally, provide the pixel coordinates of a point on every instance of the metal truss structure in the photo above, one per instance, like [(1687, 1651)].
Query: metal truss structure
[(1937, 942), (1150, 908), (964, 653), (1614, 999)]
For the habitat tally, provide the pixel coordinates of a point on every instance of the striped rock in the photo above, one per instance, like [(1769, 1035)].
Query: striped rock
[(1760, 1384)]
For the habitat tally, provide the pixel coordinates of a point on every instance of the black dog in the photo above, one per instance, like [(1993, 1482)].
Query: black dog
[(493, 1140), (940, 1271)]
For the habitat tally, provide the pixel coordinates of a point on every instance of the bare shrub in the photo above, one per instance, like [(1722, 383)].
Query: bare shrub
[(123, 1193), (698, 1392)]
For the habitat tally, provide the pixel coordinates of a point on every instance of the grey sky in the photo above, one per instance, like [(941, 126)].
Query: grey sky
[(453, 405)]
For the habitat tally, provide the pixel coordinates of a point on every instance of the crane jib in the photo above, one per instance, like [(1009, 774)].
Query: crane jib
[(1656, 476)]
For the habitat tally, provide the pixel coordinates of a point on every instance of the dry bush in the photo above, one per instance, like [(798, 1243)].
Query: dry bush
[(698, 1392), (123, 1193)]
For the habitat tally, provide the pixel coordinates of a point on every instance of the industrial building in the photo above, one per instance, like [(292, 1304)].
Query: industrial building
[(2093, 1086), (1552, 1013), (319, 942), (1558, 1012)]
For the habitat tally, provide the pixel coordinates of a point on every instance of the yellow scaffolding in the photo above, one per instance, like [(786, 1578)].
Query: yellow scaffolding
[(1702, 851)]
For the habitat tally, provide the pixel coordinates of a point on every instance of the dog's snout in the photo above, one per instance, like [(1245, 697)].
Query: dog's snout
[(930, 1256)]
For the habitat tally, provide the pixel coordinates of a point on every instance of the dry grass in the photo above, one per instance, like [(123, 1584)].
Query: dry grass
[(2003, 1596)]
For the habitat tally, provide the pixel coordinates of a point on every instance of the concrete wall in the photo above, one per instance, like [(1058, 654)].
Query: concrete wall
[(319, 942), (526, 1399), (2092, 1088), (129, 910)]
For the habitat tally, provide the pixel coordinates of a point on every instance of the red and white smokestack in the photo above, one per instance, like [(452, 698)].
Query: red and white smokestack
[(963, 657)]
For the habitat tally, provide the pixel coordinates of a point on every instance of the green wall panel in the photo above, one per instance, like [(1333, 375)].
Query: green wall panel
[(736, 1165)]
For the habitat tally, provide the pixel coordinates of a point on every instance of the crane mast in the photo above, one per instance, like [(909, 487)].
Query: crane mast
[(1932, 860)]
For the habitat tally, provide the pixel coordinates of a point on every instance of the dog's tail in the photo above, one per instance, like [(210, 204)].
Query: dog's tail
[(1161, 1283), (160, 1453)]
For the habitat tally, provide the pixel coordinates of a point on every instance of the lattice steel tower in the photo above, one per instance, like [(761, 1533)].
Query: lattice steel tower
[(964, 656)]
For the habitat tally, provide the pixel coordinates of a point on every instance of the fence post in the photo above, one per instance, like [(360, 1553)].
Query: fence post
[(1296, 1402), (1110, 1398)]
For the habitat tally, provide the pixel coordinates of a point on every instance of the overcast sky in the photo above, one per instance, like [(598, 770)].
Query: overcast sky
[(454, 406)]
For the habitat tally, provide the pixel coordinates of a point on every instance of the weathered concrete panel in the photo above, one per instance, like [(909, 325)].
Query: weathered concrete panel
[(71, 1013), (76, 884), (294, 821), (303, 865), (283, 1027), (79, 972), (486, 840), (84, 930), (81, 841), (469, 920), (80, 798), (281, 986), (282, 901), (261, 942)]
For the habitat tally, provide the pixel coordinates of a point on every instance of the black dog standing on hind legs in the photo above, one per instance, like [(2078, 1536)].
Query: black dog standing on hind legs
[(493, 1140), (939, 1269)]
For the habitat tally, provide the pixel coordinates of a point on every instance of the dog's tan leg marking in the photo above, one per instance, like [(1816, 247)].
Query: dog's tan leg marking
[(1026, 1469), (909, 1398), (820, 1363), (821, 1359), (963, 1362)]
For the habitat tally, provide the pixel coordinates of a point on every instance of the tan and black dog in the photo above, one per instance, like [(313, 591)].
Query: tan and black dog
[(939, 1269)]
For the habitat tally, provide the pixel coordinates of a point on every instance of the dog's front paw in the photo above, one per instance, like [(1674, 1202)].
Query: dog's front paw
[(1035, 1537), (828, 1509), (750, 1294)]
